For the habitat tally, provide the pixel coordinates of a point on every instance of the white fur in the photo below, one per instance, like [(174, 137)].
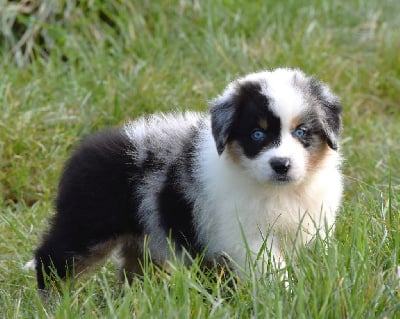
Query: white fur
[(241, 202), (279, 85), (239, 209)]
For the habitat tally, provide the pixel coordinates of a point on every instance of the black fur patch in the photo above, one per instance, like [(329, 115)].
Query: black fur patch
[(151, 163), (252, 106), (222, 118), (95, 202), (176, 211)]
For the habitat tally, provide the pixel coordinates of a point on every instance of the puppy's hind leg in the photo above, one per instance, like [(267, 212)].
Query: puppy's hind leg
[(63, 255), (130, 260), (95, 207)]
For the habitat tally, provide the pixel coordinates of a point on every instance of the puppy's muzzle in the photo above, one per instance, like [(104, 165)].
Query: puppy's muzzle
[(280, 165)]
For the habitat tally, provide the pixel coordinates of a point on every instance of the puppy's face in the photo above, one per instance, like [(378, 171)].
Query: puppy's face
[(278, 126)]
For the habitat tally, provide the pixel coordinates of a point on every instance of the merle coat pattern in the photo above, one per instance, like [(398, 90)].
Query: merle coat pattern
[(251, 172)]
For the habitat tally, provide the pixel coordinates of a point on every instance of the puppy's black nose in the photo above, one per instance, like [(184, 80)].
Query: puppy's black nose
[(280, 165)]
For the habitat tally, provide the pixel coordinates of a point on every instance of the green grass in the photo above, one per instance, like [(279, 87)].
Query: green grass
[(167, 55)]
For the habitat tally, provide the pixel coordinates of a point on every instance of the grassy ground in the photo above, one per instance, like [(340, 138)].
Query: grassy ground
[(107, 63)]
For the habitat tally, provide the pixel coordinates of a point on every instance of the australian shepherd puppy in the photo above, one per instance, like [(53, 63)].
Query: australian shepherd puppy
[(261, 170)]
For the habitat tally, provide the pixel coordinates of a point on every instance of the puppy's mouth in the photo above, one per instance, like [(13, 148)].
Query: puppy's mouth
[(281, 179)]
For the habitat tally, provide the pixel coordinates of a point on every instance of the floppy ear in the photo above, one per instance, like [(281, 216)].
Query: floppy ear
[(223, 112), (330, 112), (332, 123)]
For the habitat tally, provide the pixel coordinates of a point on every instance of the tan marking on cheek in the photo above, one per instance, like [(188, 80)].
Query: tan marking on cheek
[(318, 154), (263, 123)]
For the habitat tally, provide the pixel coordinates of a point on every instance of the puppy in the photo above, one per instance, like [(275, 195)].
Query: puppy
[(260, 171)]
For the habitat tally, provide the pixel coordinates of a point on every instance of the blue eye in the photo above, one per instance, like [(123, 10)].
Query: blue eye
[(258, 135), (300, 132)]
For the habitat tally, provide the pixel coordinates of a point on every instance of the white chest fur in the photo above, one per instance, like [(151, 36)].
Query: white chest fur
[(237, 211)]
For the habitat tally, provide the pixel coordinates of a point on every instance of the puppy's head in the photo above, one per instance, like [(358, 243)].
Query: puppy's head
[(277, 125)]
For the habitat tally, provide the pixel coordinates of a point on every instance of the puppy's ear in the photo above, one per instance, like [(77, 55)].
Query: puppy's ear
[(332, 123), (330, 112), (223, 112)]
